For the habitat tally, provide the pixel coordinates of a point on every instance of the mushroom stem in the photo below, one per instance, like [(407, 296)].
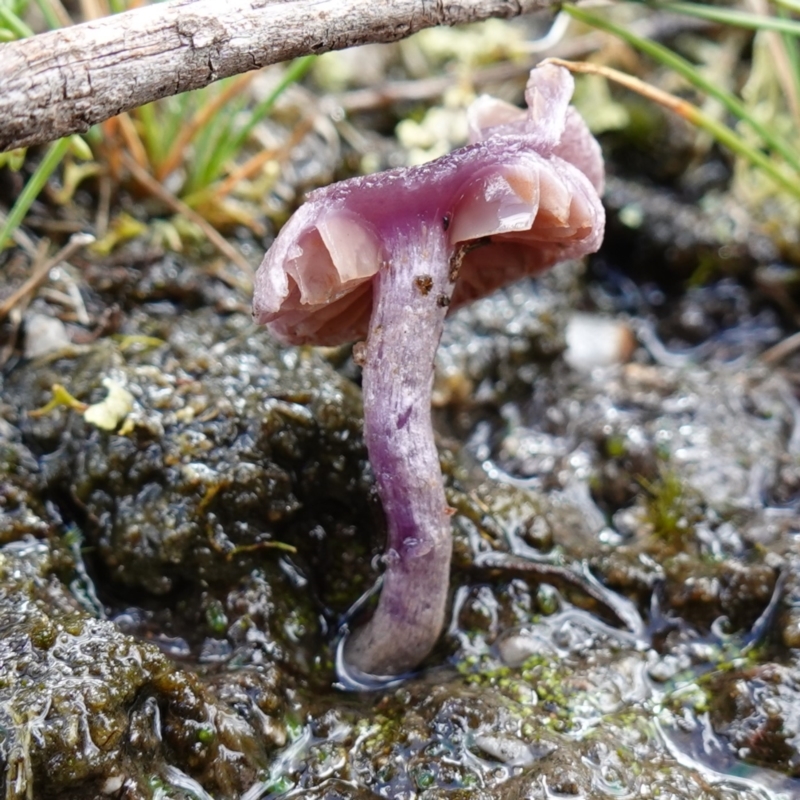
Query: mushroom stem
[(410, 302)]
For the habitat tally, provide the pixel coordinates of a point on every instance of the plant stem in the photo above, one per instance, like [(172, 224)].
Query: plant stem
[(55, 153)]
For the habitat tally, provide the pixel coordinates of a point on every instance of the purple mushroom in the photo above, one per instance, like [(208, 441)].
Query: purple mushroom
[(384, 258)]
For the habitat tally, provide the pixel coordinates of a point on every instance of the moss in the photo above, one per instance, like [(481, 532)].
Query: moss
[(80, 701), (216, 618), (672, 509)]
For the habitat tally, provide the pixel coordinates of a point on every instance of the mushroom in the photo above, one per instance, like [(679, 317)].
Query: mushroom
[(384, 258)]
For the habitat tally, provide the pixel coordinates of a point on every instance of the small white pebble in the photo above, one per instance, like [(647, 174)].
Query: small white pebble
[(516, 649), (594, 341), (113, 784), (510, 751), (43, 335)]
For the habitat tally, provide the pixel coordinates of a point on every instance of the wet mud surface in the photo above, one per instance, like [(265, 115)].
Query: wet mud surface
[(623, 600)]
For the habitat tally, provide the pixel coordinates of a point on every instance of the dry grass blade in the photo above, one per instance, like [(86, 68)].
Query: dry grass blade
[(41, 271), (132, 139), (256, 162), (783, 66), (20, 238), (782, 349), (198, 122), (148, 182), (681, 107), (94, 9), (659, 27), (692, 114)]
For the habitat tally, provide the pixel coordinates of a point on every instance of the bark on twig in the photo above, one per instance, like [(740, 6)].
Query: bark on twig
[(67, 80)]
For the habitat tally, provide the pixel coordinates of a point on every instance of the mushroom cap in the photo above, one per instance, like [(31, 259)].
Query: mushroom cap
[(526, 189)]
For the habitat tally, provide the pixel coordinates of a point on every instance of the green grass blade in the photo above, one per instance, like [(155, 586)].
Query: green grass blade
[(50, 16), (724, 135), (789, 5), (94, 136), (175, 111), (213, 146), (687, 70), (155, 140), (14, 23), (730, 16), (232, 145), (692, 114), (294, 72), (55, 153)]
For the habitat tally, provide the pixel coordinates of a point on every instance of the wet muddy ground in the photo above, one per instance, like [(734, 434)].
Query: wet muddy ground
[(623, 617), (621, 446)]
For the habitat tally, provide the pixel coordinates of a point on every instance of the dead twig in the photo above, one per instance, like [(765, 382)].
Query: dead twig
[(42, 270), (65, 81), (783, 349), (21, 238)]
